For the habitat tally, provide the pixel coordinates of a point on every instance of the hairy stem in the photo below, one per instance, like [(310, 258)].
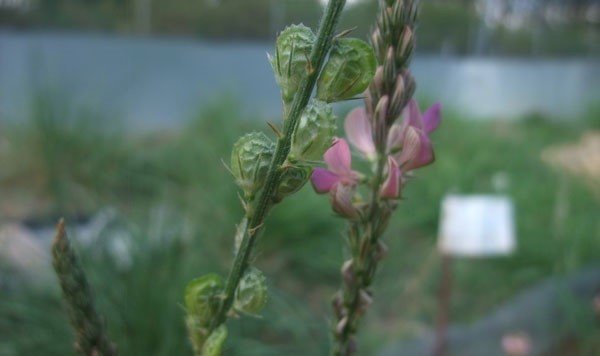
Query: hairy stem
[(261, 206)]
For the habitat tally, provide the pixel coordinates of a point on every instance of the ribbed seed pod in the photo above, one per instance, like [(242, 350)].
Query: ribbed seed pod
[(292, 180), (314, 133), (201, 298), (290, 62), (250, 159), (251, 295), (213, 346), (348, 71)]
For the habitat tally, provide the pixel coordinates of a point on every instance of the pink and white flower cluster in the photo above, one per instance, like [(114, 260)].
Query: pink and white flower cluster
[(408, 147)]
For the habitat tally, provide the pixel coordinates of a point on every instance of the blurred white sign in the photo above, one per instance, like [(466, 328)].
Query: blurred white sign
[(477, 225)]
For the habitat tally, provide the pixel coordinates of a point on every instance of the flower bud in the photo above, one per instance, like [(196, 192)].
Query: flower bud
[(201, 298), (250, 161), (348, 274), (214, 343), (341, 325), (291, 60), (348, 71), (338, 306), (406, 43), (292, 180), (251, 294), (314, 133)]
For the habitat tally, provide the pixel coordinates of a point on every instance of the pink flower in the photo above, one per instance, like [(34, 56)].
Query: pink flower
[(516, 344), (338, 179), (409, 147), (409, 141), (339, 171)]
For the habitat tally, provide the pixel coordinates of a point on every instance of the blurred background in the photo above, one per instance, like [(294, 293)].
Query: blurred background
[(117, 113)]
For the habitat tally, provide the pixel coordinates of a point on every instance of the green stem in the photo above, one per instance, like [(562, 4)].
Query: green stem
[(259, 211)]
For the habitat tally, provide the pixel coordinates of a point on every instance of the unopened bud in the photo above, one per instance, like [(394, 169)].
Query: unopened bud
[(381, 250), (398, 97), (365, 300), (389, 65), (378, 80), (348, 71), (251, 295), (291, 60), (338, 306), (348, 274), (406, 42), (341, 325), (314, 133), (250, 159)]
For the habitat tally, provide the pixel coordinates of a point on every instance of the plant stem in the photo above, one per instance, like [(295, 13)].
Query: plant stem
[(365, 265), (393, 40), (260, 209)]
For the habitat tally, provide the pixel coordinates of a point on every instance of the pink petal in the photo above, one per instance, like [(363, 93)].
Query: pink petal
[(432, 117), (323, 180), (341, 200), (391, 186), (338, 157), (358, 130), (411, 146), (394, 140), (424, 155), (413, 113)]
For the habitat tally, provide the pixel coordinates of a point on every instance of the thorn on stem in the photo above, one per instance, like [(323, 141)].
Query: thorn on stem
[(275, 130), (345, 33)]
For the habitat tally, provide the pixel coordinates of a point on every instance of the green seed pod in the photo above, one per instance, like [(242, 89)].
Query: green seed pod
[(250, 161), (348, 72), (251, 294), (201, 298), (213, 346), (314, 133), (292, 180), (290, 62)]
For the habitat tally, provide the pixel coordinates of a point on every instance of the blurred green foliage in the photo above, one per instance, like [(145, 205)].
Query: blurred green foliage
[(178, 206)]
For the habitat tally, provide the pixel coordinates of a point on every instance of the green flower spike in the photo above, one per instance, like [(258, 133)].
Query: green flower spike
[(250, 159), (251, 295), (348, 72), (314, 133), (291, 60)]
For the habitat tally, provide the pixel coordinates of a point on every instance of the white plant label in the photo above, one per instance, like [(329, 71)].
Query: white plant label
[(477, 225)]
